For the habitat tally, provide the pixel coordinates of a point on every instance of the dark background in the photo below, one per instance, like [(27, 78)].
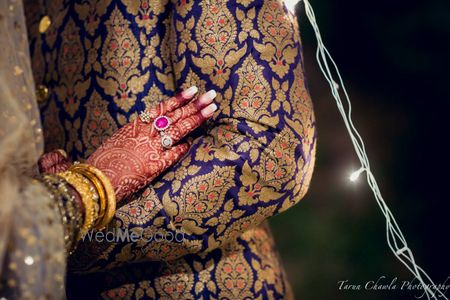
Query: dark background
[(393, 56)]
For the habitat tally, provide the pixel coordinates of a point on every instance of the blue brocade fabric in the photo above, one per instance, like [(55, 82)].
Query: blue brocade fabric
[(104, 61)]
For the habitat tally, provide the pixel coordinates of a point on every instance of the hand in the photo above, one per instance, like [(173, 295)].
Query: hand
[(54, 162), (134, 155)]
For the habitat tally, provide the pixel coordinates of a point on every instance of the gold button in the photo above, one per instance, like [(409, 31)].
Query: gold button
[(44, 24), (41, 93)]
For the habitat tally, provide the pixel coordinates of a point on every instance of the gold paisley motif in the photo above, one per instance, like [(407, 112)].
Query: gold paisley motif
[(226, 135), (90, 13), (300, 98), (216, 32), (199, 198), (150, 44), (183, 7), (176, 281), (219, 145), (98, 124), (252, 95), (233, 274), (184, 31), (205, 281), (193, 79), (278, 47), (92, 49), (125, 291), (145, 289), (264, 182), (72, 86), (277, 165), (302, 105), (145, 11), (120, 58), (247, 24), (280, 96), (254, 189), (267, 266), (168, 248), (300, 183), (229, 212), (141, 210), (154, 96), (240, 225), (175, 177)]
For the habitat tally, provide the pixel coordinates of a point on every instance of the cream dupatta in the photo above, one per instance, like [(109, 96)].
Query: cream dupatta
[(32, 255)]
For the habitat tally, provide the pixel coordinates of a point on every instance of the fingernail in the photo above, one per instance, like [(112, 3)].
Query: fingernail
[(190, 92), (209, 110), (62, 152), (211, 94), (208, 97)]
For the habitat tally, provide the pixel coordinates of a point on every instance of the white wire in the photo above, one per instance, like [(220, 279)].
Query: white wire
[(394, 236)]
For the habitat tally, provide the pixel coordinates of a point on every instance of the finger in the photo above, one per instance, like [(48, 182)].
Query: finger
[(180, 129), (174, 154), (172, 103), (53, 162), (192, 107)]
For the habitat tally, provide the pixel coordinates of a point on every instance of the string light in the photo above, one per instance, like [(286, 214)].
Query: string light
[(394, 236), (355, 175)]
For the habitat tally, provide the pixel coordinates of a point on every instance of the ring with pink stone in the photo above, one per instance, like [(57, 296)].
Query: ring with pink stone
[(161, 123)]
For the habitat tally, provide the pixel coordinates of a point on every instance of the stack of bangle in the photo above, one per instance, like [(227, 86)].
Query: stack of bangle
[(89, 197), (93, 209), (105, 191), (97, 195), (70, 209)]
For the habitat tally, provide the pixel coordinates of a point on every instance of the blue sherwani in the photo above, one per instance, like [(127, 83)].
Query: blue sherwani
[(104, 61)]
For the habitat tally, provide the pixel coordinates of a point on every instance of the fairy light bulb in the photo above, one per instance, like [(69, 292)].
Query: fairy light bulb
[(355, 175)]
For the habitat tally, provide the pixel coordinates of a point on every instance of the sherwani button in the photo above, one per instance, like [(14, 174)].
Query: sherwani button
[(44, 24), (42, 93)]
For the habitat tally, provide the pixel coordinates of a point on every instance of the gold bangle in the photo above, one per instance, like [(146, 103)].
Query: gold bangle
[(88, 196), (110, 208), (100, 191)]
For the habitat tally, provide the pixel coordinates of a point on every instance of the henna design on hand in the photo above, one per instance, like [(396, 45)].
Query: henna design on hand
[(134, 155)]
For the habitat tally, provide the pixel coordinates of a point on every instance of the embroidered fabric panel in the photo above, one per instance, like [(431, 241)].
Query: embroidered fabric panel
[(104, 60), (248, 267)]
